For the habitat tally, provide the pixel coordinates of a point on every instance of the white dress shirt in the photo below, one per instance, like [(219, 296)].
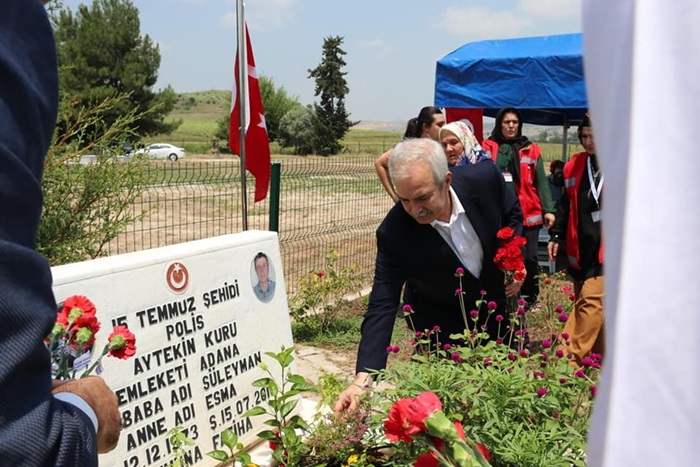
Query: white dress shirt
[(461, 236)]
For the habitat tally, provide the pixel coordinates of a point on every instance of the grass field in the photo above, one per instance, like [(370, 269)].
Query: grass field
[(199, 112)]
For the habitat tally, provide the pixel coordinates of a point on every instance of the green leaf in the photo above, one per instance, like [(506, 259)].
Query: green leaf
[(229, 438), (219, 455), (287, 408), (254, 411)]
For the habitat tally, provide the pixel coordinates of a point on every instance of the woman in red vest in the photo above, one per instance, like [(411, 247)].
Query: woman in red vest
[(520, 162), (578, 220)]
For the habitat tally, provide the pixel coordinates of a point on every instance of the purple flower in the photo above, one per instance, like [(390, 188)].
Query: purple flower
[(523, 353), (492, 305), (537, 374), (499, 341), (559, 309), (407, 308), (488, 362), (579, 373), (447, 346), (562, 380), (389, 349), (521, 311), (586, 361), (474, 314), (521, 302), (541, 392), (519, 332), (546, 344), (559, 353), (564, 335), (459, 272), (414, 343), (563, 317), (419, 333), (499, 318), (458, 292), (596, 357), (594, 390), (555, 415), (456, 357), (396, 348), (554, 337), (482, 292), (436, 328), (511, 356)]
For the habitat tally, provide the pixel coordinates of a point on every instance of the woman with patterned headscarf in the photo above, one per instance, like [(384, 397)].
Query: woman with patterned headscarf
[(460, 144)]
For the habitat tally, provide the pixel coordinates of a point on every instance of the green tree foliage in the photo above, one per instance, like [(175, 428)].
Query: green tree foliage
[(332, 120), (276, 103), (102, 54), (86, 206), (297, 130)]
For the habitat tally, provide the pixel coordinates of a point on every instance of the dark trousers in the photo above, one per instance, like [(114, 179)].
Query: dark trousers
[(531, 286)]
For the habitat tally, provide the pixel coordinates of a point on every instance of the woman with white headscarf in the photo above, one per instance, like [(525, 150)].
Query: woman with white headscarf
[(460, 144)]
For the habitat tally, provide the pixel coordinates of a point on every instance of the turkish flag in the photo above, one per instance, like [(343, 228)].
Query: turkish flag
[(257, 145)]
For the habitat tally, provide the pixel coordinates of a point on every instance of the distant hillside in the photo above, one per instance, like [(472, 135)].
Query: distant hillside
[(203, 102)]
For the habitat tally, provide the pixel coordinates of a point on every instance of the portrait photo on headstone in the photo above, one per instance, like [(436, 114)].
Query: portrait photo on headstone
[(262, 275)]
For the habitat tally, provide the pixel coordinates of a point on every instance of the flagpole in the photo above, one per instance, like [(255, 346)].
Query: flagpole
[(242, 92)]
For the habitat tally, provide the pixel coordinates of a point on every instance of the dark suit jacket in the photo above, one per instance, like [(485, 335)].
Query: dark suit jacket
[(35, 428), (416, 255)]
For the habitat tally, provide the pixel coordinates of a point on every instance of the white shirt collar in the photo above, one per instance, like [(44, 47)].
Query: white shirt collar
[(457, 209)]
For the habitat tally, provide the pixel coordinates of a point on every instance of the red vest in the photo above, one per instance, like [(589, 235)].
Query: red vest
[(574, 171), (526, 189)]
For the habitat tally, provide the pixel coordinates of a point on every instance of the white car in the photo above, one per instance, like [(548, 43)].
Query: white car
[(162, 151)]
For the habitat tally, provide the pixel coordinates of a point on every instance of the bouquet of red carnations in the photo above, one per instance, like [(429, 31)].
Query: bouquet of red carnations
[(71, 340)]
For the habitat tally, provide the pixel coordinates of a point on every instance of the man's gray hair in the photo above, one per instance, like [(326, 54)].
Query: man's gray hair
[(414, 151)]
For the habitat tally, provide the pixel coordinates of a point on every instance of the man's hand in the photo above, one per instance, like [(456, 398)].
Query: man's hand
[(103, 401), (553, 249), (350, 398), (513, 288), (549, 220)]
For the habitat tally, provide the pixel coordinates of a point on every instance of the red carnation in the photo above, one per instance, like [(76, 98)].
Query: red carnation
[(505, 233), (396, 426), (121, 343), (422, 407), (428, 459)]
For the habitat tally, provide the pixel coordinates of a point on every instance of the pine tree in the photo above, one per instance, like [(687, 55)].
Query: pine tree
[(332, 120), (102, 54)]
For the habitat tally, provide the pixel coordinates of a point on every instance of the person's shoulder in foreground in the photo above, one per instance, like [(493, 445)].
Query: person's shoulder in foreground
[(35, 427)]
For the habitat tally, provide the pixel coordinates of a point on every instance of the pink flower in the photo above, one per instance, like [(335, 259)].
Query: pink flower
[(562, 380), (579, 373), (492, 305), (594, 390), (555, 415), (499, 318), (563, 317), (447, 346), (541, 392), (564, 335), (458, 292), (459, 272), (537, 374), (456, 357), (511, 356), (474, 314), (487, 362), (559, 353), (546, 344), (482, 292)]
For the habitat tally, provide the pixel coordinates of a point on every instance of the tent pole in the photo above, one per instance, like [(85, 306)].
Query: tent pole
[(564, 149)]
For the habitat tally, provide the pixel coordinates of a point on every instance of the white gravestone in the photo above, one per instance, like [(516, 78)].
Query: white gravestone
[(201, 331)]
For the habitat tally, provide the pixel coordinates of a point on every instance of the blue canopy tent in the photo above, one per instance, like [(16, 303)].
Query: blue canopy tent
[(540, 76)]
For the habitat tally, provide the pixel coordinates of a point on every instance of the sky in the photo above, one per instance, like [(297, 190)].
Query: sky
[(392, 45)]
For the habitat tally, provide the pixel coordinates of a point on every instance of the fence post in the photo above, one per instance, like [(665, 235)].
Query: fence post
[(275, 175)]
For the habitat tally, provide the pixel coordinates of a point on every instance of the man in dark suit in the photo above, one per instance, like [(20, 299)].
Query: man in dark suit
[(445, 220), (42, 422)]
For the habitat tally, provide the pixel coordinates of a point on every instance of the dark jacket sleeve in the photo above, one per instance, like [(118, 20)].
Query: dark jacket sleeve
[(378, 323), (35, 428)]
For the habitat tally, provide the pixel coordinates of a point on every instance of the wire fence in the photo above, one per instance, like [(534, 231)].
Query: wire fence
[(326, 203)]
